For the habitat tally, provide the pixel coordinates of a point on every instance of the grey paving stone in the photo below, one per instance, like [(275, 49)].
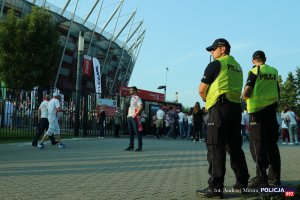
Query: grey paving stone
[(100, 169)]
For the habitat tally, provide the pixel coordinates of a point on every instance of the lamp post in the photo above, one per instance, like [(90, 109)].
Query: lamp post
[(167, 69), (78, 81), (165, 86), (165, 90), (176, 94)]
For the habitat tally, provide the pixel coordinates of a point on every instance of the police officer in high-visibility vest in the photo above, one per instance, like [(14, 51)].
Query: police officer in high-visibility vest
[(261, 93), (221, 89)]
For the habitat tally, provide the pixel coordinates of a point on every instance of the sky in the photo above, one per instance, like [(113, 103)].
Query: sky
[(178, 31)]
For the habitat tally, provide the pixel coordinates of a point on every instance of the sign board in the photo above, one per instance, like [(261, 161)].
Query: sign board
[(144, 94), (108, 105)]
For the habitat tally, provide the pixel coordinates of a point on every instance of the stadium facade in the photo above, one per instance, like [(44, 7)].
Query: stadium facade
[(117, 58)]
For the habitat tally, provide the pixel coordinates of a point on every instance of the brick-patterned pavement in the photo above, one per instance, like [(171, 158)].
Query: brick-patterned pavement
[(91, 168)]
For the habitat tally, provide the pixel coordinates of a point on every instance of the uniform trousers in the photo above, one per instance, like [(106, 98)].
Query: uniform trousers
[(263, 142), (224, 134)]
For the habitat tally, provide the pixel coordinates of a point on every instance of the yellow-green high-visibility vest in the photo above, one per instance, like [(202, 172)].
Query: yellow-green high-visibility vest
[(265, 90), (228, 82)]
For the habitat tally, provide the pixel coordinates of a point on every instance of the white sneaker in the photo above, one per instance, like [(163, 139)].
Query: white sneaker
[(61, 146), (40, 146), (283, 142), (194, 140), (297, 143), (291, 143)]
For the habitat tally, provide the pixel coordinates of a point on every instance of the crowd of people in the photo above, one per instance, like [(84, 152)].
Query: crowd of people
[(171, 122), (288, 123), (289, 127)]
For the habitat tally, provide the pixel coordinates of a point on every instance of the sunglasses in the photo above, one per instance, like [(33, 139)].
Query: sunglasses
[(216, 48)]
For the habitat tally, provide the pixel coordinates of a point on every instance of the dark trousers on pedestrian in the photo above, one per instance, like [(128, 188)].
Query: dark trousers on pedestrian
[(42, 126), (224, 134), (285, 134), (198, 129), (133, 130), (171, 132), (117, 130), (263, 142), (101, 128)]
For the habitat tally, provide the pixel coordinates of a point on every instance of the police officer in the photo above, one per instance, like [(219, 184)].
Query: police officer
[(221, 88), (261, 94)]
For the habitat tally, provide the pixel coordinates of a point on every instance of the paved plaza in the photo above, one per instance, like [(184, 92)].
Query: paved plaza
[(91, 168)]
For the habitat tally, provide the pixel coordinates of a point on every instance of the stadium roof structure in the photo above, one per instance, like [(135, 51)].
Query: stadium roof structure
[(114, 38)]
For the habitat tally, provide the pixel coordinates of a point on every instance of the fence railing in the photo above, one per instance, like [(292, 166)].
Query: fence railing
[(19, 114)]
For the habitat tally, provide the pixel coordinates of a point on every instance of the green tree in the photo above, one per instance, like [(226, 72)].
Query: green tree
[(297, 83), (288, 92), (29, 49), (281, 103)]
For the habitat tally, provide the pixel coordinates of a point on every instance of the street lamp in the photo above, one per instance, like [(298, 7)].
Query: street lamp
[(78, 81), (165, 86), (167, 69), (165, 90)]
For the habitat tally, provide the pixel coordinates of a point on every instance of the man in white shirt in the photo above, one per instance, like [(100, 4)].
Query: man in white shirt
[(181, 117), (160, 114), (293, 128), (43, 123), (134, 112), (53, 108)]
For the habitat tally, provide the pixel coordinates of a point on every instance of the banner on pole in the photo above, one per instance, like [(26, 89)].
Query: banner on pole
[(87, 66), (97, 75)]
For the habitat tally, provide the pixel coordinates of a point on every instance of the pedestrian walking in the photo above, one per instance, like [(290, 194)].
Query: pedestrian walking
[(117, 122), (172, 117), (100, 120), (43, 123), (190, 124), (54, 129), (198, 123), (291, 118), (221, 88), (133, 119), (261, 94), (245, 125), (159, 122), (181, 117), (284, 126)]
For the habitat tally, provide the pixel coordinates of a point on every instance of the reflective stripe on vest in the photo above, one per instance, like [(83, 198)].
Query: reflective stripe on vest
[(228, 82), (265, 91)]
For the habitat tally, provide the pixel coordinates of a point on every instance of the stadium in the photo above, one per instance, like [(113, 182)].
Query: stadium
[(117, 50), (114, 38)]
